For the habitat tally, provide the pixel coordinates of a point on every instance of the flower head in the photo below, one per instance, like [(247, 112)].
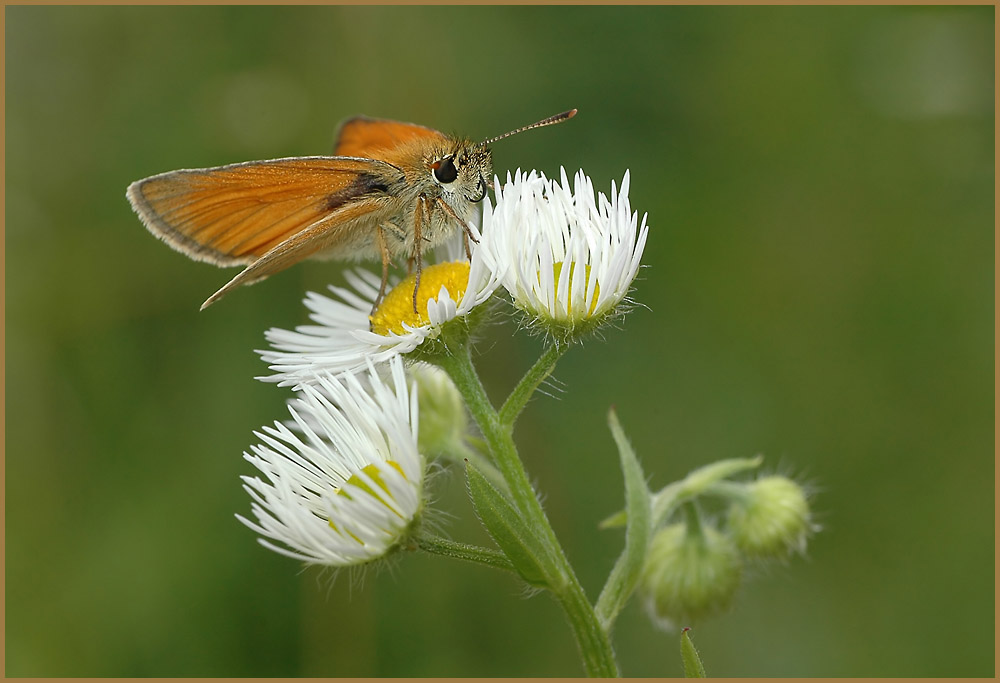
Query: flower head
[(345, 338), (572, 258), (344, 486), (690, 572), (771, 518)]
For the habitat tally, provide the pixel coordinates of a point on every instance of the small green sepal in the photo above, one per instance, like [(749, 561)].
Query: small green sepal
[(619, 519), (693, 668)]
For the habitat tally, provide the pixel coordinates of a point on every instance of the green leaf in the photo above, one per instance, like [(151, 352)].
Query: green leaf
[(693, 668), (616, 520), (518, 541), (638, 510)]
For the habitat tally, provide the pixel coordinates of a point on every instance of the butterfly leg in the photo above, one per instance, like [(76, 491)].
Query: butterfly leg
[(465, 226), (383, 249), (418, 246), (465, 243)]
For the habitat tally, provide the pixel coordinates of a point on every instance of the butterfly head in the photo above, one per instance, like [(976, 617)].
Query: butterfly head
[(465, 171)]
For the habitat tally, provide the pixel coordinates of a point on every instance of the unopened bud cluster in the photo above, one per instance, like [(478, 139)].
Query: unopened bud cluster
[(694, 568)]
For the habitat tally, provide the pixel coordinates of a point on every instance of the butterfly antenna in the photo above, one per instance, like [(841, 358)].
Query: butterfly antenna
[(558, 118)]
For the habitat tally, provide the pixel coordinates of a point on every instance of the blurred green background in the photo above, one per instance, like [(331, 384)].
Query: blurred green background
[(818, 289)]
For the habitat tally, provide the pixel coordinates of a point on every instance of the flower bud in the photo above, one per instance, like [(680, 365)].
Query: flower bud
[(772, 519), (443, 420), (691, 571)]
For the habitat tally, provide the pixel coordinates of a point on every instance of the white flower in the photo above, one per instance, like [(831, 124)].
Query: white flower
[(346, 486), (345, 340), (572, 259)]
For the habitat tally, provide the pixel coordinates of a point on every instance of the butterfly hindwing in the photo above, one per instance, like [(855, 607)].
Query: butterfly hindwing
[(362, 136)]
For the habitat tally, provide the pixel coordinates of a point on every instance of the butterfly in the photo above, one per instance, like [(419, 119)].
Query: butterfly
[(391, 191)]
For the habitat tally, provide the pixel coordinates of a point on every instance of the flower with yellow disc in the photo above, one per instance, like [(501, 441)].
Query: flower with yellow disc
[(343, 483), (347, 335)]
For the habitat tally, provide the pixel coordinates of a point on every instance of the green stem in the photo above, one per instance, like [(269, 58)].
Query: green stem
[(709, 479), (692, 518), (666, 501), (728, 490), (498, 435), (592, 639), (532, 379), (462, 551)]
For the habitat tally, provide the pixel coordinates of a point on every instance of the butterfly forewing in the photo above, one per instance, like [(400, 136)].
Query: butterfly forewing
[(235, 214)]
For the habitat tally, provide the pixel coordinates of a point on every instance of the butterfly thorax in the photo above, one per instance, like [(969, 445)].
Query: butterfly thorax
[(443, 181)]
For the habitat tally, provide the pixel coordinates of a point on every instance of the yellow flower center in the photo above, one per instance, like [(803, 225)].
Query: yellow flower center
[(373, 473), (356, 481), (557, 269), (397, 306)]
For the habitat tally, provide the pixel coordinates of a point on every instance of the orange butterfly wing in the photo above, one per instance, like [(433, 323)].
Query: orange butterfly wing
[(364, 137), (269, 215), (231, 215)]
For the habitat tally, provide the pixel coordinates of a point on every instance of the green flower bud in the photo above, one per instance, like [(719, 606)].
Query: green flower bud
[(691, 571), (771, 519), (443, 420)]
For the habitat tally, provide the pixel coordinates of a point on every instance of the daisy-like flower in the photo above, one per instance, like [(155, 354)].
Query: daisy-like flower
[(572, 258), (342, 486), (344, 339)]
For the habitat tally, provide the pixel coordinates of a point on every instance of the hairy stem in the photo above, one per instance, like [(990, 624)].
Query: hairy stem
[(593, 641), (462, 551)]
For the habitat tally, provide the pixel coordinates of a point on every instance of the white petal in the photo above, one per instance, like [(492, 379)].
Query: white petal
[(345, 427), (538, 223)]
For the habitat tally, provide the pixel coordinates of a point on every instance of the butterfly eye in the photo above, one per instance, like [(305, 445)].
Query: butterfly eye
[(445, 171)]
